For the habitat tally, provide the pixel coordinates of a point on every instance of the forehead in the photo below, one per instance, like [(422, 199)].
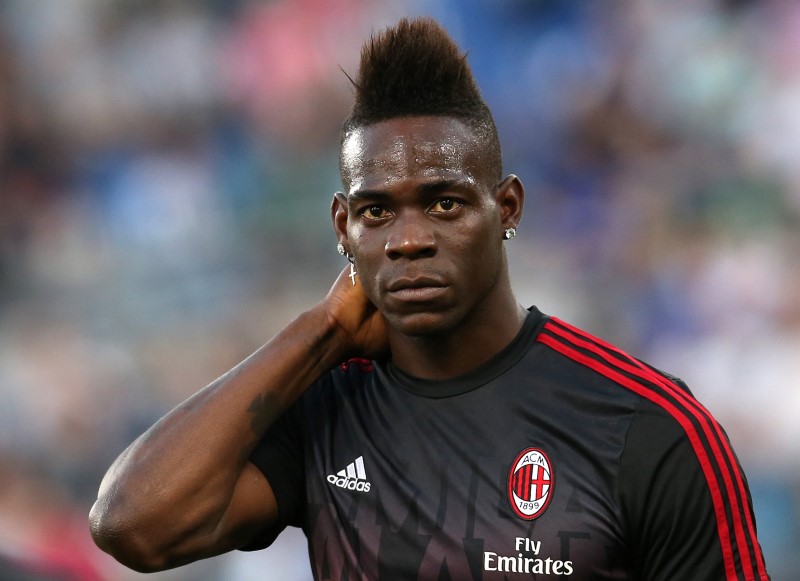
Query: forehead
[(410, 148)]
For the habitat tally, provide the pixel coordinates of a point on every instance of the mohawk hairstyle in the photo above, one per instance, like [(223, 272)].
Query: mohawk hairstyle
[(415, 68)]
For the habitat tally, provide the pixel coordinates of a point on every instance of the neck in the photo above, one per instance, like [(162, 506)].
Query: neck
[(480, 336)]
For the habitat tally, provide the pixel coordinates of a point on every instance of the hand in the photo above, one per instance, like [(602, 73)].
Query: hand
[(362, 327)]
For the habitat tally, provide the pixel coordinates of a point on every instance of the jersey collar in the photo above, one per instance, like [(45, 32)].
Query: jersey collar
[(495, 367)]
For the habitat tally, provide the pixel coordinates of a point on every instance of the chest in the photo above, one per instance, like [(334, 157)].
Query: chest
[(509, 481)]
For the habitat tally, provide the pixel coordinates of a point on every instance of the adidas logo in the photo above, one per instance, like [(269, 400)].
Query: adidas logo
[(351, 478)]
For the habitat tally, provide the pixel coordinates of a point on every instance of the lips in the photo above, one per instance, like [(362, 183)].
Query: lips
[(416, 289), (417, 282)]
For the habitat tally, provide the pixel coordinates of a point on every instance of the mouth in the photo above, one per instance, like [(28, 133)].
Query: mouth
[(417, 289)]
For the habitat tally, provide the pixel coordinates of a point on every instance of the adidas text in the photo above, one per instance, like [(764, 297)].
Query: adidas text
[(349, 483), (353, 477)]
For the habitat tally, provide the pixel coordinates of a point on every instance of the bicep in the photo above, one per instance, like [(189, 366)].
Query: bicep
[(267, 496), (671, 521), (675, 494), (247, 518), (251, 513)]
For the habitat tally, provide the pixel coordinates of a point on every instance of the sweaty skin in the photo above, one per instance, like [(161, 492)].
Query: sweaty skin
[(424, 220), (185, 490)]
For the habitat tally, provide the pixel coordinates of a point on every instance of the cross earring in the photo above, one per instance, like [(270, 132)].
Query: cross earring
[(341, 250), (353, 274)]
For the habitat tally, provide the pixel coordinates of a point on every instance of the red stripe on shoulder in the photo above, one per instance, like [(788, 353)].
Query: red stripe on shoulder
[(632, 374)]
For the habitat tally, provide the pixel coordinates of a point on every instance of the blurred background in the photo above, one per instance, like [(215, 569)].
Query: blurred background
[(166, 169)]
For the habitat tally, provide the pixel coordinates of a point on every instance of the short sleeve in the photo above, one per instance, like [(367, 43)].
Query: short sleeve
[(279, 456), (685, 501)]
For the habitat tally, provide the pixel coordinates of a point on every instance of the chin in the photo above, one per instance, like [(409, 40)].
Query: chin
[(420, 324)]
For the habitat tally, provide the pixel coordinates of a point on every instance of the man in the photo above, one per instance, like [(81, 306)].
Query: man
[(418, 423)]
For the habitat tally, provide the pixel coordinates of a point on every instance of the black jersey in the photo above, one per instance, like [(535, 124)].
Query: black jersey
[(562, 457)]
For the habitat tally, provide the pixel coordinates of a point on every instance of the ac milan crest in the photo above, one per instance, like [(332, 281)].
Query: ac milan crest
[(530, 483)]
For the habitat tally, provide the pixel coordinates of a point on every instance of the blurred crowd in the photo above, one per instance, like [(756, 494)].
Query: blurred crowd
[(166, 168)]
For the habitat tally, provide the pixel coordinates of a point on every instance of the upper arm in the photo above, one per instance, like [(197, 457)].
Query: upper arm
[(251, 514), (250, 517), (187, 533), (268, 494), (671, 522), (686, 501)]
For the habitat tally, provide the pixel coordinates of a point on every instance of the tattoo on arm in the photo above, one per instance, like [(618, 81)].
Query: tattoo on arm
[(263, 408), (264, 411)]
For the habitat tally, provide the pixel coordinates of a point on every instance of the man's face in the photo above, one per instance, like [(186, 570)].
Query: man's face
[(423, 221)]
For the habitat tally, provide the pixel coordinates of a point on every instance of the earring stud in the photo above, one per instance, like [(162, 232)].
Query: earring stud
[(340, 249), (509, 233)]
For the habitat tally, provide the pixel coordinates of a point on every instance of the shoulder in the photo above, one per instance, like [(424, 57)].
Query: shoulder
[(681, 489), (616, 365), (666, 411), (339, 382)]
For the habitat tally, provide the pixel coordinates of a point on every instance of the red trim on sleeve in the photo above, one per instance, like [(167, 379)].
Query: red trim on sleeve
[(614, 364)]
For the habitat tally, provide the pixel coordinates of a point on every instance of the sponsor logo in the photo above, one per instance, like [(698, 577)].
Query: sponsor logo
[(354, 477), (530, 483), (526, 560)]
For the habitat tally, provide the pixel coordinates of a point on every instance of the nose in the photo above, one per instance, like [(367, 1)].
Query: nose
[(410, 237)]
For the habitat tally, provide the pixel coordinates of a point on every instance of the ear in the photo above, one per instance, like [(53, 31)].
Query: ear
[(339, 209), (510, 197)]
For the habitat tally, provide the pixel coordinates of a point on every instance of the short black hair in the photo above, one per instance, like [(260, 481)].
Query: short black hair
[(415, 68)]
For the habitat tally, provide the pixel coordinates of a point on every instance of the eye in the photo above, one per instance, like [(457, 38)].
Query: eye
[(445, 206), (374, 212)]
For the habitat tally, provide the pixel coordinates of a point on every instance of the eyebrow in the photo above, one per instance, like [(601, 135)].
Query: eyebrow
[(427, 189)]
